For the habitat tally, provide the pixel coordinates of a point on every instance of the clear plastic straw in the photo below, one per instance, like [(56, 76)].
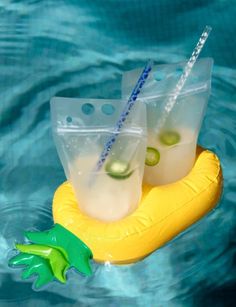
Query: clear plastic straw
[(187, 70), (125, 113)]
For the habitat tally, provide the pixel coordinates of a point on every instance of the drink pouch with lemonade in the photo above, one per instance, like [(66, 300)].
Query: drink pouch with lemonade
[(172, 139), (81, 127)]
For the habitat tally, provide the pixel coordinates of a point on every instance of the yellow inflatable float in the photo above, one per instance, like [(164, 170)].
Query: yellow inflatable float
[(163, 213), (75, 239)]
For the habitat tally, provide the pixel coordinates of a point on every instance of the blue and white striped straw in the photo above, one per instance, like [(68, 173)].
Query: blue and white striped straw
[(125, 113)]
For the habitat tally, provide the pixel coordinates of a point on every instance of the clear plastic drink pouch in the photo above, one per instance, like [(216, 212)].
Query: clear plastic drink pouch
[(81, 127), (171, 145)]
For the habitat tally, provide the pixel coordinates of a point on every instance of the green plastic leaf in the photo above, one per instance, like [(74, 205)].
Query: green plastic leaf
[(34, 265), (74, 250), (58, 263), (51, 254), (21, 259)]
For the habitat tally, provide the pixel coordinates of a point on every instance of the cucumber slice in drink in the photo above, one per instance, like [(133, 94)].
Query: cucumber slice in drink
[(169, 137), (152, 156), (118, 169)]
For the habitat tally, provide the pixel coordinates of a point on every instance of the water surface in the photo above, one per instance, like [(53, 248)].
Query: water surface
[(80, 49)]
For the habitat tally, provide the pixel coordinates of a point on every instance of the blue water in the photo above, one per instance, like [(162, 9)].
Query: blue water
[(79, 48)]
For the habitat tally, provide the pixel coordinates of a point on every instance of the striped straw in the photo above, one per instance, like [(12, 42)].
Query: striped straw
[(125, 113), (187, 70)]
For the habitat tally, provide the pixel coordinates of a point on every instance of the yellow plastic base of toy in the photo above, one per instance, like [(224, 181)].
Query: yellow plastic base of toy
[(163, 213)]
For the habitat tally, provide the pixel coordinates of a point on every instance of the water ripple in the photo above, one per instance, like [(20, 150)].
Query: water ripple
[(15, 218), (80, 49)]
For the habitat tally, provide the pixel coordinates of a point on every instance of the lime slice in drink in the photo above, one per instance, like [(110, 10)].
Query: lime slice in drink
[(169, 137), (152, 156), (118, 169)]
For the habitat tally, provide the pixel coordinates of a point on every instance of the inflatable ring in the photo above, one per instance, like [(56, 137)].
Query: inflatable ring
[(163, 213)]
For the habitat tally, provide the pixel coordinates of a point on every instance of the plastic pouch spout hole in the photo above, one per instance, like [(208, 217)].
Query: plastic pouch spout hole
[(87, 108), (179, 71), (159, 76), (108, 109), (69, 119)]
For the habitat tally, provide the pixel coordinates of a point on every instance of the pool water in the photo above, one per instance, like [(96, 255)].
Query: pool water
[(80, 49)]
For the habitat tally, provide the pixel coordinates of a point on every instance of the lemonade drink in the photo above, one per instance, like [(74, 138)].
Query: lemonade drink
[(112, 195), (81, 127), (170, 156)]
